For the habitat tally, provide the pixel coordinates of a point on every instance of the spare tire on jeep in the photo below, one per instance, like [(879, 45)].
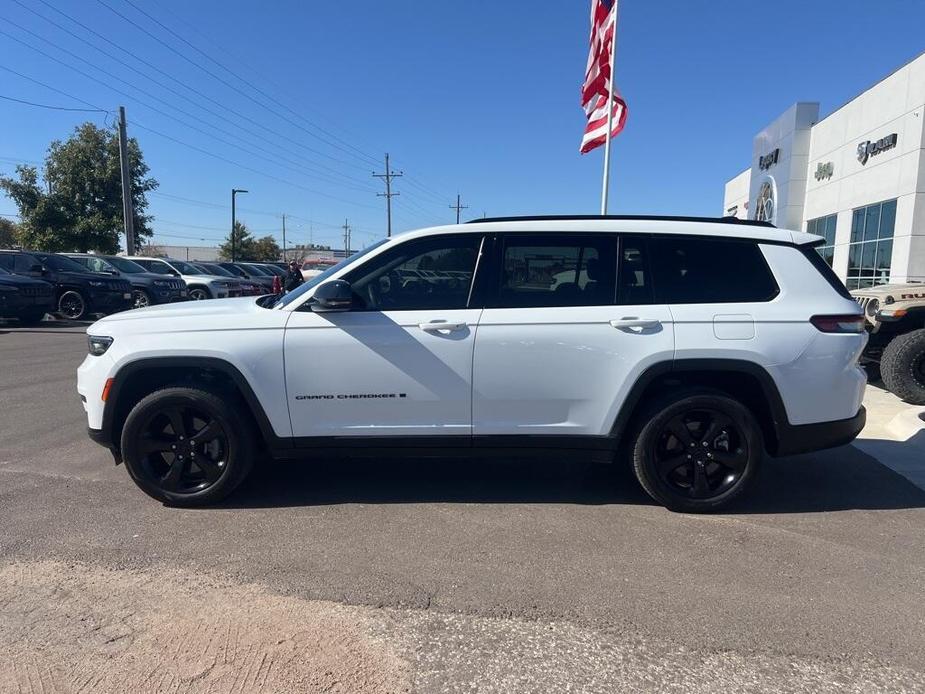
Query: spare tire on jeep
[(902, 366)]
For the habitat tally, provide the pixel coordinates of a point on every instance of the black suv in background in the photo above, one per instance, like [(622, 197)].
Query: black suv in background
[(256, 276), (24, 298), (78, 292), (148, 288)]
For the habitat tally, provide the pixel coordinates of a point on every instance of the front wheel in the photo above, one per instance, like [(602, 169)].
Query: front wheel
[(696, 452), (188, 447), (199, 294), (140, 298), (72, 305), (903, 367)]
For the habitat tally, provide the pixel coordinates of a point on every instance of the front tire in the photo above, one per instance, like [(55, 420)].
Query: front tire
[(902, 367), (697, 451), (187, 446), (72, 305), (199, 294), (140, 298)]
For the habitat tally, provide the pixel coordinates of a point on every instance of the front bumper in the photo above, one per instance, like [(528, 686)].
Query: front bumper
[(803, 438), (14, 304)]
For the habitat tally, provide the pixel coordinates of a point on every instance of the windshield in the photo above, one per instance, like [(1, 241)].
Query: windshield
[(126, 266), (185, 268), (60, 263), (257, 270), (289, 297), (234, 270)]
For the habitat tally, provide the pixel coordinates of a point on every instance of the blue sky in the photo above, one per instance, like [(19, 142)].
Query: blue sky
[(479, 97)]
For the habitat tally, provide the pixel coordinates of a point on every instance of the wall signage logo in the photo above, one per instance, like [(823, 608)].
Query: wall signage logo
[(824, 171), (870, 148), (769, 159)]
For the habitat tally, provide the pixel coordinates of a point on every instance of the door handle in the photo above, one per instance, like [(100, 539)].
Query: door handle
[(435, 327), (642, 323)]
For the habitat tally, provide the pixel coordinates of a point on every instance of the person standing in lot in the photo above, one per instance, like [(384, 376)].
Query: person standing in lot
[(293, 277)]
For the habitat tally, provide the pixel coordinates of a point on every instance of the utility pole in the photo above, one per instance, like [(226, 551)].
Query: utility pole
[(234, 191), (387, 177), (458, 206), (346, 229), (284, 237), (128, 213)]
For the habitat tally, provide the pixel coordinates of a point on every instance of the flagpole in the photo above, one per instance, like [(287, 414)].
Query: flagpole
[(613, 64)]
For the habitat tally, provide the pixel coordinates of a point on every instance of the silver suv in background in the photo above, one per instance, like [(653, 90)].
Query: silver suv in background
[(200, 286)]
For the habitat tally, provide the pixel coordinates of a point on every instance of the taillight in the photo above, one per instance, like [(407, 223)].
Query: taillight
[(850, 323)]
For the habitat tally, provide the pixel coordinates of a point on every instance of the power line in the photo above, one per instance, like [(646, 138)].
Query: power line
[(54, 108), (248, 83), (54, 89), (212, 74), (198, 93), (272, 158)]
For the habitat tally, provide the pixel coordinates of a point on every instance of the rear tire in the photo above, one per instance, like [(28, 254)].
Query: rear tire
[(903, 367), (187, 446), (696, 451)]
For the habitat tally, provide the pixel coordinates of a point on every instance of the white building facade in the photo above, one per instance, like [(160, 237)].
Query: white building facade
[(855, 177)]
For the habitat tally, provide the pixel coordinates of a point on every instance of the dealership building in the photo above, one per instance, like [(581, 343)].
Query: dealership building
[(855, 177)]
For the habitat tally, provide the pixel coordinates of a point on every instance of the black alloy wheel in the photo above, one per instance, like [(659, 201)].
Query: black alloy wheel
[(140, 298), (184, 450), (188, 446), (700, 453), (697, 451), (71, 305)]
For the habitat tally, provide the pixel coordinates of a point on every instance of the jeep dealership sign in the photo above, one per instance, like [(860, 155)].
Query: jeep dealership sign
[(870, 148)]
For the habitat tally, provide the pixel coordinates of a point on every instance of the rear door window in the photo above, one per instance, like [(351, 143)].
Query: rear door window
[(703, 270), (551, 269)]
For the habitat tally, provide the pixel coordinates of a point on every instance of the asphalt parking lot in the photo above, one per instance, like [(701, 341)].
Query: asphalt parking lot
[(439, 576)]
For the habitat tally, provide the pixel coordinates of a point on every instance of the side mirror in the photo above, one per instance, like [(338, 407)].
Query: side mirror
[(335, 295), (38, 269)]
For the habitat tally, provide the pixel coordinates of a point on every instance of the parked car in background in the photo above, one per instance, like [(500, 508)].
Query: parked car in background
[(272, 268), (248, 288), (78, 292), (148, 288), (199, 286), (313, 268), (25, 299), (241, 270)]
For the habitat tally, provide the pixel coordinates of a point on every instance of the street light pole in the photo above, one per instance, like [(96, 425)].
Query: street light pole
[(234, 191)]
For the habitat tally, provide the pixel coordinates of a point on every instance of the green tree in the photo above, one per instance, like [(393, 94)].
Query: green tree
[(243, 244), (80, 208), (9, 233), (266, 249)]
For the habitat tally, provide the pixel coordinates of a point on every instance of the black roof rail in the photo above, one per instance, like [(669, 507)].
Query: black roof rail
[(630, 217)]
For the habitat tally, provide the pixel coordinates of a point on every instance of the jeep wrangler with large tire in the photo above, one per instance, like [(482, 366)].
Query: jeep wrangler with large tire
[(895, 319)]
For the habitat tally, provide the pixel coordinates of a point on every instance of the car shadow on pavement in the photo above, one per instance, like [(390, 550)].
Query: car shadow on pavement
[(836, 480)]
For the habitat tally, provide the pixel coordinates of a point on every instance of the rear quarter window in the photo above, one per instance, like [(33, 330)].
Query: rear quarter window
[(701, 270)]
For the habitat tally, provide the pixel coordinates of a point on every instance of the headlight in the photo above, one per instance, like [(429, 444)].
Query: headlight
[(98, 344), (872, 307)]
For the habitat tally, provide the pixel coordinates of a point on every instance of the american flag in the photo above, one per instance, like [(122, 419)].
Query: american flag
[(595, 91)]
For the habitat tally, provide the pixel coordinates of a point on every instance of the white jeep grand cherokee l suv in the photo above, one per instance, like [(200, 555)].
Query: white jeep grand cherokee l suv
[(689, 347)]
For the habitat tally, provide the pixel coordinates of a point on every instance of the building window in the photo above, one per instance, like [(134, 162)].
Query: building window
[(824, 227), (871, 246)]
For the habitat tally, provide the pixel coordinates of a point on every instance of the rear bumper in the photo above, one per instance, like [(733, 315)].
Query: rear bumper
[(804, 438)]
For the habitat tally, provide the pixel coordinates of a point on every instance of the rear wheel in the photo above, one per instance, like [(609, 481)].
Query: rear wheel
[(72, 305), (697, 451), (903, 366), (188, 447)]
